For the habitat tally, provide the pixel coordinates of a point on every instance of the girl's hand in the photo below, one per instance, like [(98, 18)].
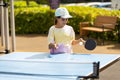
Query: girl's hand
[(52, 45), (82, 40)]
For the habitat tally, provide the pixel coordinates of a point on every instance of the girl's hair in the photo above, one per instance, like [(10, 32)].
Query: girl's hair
[(55, 22)]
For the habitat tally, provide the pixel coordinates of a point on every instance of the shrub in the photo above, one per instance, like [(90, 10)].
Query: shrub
[(38, 19)]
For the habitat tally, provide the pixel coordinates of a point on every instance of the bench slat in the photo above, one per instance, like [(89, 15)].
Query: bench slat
[(96, 29)]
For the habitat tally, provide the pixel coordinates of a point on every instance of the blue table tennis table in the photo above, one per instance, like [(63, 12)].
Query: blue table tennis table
[(43, 66)]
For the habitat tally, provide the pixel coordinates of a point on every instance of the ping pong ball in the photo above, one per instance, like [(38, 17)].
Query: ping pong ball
[(80, 43)]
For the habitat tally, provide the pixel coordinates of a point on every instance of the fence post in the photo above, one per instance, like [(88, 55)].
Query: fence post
[(12, 23), (2, 23), (6, 24)]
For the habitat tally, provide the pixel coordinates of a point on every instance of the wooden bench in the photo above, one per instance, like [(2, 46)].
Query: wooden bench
[(101, 24)]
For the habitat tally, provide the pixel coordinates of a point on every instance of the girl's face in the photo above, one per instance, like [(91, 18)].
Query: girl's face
[(62, 21)]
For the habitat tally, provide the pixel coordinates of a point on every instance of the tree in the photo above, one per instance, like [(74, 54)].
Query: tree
[(27, 2)]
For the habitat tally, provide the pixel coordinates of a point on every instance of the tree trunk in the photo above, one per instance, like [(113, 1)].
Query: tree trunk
[(27, 2)]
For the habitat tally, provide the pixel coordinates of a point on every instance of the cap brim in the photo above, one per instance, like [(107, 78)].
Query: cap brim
[(67, 16)]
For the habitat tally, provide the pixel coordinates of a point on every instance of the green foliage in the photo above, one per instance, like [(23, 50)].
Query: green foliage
[(38, 19), (21, 4), (42, 1), (33, 20)]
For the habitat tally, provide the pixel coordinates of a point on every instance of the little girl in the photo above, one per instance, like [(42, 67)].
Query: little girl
[(61, 36)]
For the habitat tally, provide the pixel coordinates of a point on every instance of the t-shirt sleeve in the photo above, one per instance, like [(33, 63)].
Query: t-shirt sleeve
[(51, 35)]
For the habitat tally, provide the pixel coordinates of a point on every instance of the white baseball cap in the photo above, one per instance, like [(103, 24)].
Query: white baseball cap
[(62, 12)]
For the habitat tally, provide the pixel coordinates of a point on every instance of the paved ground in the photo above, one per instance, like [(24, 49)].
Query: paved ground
[(38, 43)]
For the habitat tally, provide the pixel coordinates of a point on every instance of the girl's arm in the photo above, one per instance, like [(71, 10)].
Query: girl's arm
[(74, 42)]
